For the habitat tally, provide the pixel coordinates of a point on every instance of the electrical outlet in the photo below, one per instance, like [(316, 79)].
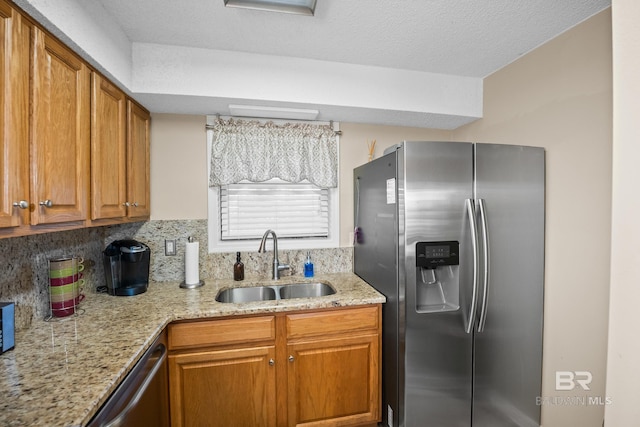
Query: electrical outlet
[(170, 247)]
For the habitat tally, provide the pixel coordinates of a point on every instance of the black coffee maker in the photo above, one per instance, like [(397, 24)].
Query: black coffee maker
[(126, 267)]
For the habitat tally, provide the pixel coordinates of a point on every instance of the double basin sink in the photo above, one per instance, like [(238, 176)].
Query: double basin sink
[(275, 292)]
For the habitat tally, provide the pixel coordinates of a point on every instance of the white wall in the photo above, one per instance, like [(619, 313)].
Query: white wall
[(623, 365), (162, 69)]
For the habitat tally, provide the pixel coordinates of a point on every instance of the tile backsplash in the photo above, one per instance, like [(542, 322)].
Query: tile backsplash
[(24, 277)]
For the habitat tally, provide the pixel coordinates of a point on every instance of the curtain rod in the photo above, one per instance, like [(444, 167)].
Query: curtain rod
[(337, 132)]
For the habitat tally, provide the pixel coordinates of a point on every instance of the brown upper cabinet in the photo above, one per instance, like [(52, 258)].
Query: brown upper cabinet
[(119, 154), (108, 149), (138, 163), (60, 132), (74, 148), (15, 36)]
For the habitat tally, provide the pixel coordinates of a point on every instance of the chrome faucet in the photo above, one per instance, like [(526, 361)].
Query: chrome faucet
[(277, 267)]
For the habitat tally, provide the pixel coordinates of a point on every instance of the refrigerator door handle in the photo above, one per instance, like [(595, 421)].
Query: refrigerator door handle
[(485, 276), (473, 226)]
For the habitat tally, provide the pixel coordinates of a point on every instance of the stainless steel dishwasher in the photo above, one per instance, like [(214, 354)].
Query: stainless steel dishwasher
[(143, 397)]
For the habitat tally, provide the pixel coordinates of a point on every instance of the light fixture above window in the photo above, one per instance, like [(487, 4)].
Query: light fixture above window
[(272, 112), (300, 7)]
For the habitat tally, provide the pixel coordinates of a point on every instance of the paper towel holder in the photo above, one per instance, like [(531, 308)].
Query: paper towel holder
[(184, 285), (198, 284)]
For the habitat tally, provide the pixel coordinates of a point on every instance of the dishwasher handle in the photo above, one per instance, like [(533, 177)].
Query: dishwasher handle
[(117, 421)]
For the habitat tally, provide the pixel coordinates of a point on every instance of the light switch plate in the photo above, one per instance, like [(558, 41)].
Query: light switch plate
[(170, 247)]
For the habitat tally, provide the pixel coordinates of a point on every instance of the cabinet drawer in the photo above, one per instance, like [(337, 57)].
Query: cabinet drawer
[(332, 322), (221, 332)]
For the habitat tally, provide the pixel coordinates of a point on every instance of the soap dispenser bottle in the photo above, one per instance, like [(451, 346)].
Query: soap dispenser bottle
[(238, 268), (308, 266)]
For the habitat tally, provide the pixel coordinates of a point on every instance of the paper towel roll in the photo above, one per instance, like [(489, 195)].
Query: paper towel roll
[(191, 261)]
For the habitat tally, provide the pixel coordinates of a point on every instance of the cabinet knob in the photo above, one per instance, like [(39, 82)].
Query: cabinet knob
[(47, 203), (291, 358), (272, 362), (126, 204), (22, 204), (135, 204)]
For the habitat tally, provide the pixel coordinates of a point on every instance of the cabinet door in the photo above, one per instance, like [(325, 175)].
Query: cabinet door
[(334, 382), (108, 150), (14, 116), (223, 388), (59, 133), (138, 161)]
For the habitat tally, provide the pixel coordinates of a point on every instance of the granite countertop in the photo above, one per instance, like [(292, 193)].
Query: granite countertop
[(61, 372)]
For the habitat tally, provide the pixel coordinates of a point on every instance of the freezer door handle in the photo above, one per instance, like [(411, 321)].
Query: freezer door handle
[(473, 226), (485, 276)]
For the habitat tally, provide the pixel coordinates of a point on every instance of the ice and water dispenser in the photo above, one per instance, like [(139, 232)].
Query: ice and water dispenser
[(437, 276)]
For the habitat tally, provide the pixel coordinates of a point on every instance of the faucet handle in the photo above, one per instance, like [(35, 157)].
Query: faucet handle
[(283, 267), (286, 266)]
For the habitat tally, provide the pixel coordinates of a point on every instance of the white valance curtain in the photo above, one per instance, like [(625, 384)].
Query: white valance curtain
[(256, 152)]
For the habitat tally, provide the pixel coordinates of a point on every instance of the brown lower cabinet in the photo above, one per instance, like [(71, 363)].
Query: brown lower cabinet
[(307, 368)]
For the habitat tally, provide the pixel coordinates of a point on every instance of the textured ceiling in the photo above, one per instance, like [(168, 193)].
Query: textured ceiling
[(458, 37), (396, 62)]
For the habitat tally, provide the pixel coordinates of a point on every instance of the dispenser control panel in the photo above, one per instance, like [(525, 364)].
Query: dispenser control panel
[(435, 254)]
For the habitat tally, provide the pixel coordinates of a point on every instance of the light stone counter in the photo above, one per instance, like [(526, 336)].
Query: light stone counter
[(61, 372)]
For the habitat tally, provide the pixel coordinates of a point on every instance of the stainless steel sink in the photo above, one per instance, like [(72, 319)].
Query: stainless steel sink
[(275, 292), (305, 290), (250, 294)]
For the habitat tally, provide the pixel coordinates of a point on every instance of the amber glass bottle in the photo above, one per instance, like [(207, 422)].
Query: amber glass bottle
[(238, 268)]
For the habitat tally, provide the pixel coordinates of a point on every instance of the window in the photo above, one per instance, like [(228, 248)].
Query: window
[(263, 221), (302, 214), (295, 210)]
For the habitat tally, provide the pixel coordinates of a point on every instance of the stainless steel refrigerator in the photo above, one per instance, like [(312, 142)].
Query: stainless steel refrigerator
[(453, 235)]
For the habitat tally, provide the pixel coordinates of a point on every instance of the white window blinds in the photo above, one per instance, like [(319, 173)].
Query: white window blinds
[(291, 210)]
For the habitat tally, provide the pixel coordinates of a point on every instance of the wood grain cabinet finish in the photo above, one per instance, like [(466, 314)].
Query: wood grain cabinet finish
[(223, 373), (333, 381), (15, 36), (119, 154), (60, 133), (333, 367), (311, 368), (74, 148), (108, 149), (234, 387), (138, 158)]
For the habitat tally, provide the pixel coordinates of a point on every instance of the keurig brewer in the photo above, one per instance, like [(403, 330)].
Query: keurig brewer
[(126, 267)]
